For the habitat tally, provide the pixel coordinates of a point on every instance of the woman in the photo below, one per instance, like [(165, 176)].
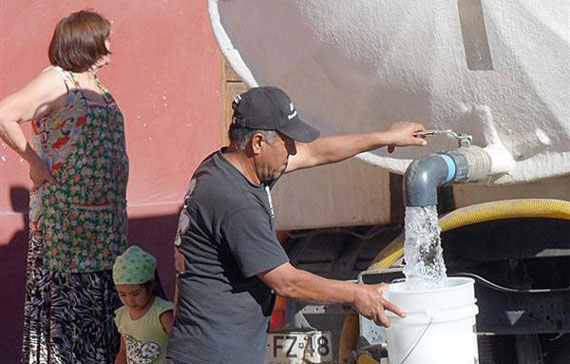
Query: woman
[(79, 170)]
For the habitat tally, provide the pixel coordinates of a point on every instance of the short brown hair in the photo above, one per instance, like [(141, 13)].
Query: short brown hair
[(78, 41)]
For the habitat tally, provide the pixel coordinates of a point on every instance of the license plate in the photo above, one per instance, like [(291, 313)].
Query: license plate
[(299, 348)]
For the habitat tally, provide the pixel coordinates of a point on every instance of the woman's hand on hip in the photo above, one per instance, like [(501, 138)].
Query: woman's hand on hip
[(40, 174)]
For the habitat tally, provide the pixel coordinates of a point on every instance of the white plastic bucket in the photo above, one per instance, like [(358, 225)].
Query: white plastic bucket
[(439, 327)]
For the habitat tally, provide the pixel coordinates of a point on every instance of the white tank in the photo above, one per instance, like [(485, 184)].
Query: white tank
[(497, 70)]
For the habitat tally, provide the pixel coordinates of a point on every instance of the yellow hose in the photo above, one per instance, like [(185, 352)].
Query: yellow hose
[(489, 211), (366, 358)]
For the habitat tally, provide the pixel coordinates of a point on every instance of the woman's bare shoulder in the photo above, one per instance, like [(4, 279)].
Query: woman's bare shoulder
[(39, 96)]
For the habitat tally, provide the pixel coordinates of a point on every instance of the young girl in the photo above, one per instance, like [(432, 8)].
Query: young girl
[(145, 320)]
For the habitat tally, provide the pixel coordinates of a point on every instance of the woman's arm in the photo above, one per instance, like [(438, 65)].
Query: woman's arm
[(37, 98), (336, 148), (121, 357)]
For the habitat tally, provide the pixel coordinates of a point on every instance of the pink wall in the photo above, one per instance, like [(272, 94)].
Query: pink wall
[(165, 75)]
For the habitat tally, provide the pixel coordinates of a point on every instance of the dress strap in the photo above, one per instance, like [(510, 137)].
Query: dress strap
[(107, 98), (75, 82), (104, 90), (64, 74)]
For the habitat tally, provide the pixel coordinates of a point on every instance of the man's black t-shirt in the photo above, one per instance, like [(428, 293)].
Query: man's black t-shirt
[(227, 237)]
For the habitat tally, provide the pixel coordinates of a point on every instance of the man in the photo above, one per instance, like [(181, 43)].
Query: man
[(228, 257)]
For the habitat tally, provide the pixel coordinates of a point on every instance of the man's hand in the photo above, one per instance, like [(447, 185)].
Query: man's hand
[(39, 174), (370, 303), (403, 134)]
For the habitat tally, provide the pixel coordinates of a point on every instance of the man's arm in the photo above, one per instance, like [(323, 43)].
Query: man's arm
[(300, 285), (180, 267), (336, 148)]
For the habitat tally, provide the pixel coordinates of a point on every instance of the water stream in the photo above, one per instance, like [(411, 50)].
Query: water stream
[(425, 268)]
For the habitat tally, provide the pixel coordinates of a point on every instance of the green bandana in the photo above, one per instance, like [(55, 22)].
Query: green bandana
[(134, 266)]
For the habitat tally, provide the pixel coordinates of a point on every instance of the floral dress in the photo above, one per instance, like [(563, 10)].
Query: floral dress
[(77, 228)]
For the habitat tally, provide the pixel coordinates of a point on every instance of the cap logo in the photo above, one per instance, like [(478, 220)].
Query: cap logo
[(293, 111)]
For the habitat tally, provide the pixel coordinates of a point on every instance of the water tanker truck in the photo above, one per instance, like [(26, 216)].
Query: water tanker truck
[(490, 80)]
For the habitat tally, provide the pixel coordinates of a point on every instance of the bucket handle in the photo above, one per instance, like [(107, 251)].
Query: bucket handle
[(435, 315), (420, 336)]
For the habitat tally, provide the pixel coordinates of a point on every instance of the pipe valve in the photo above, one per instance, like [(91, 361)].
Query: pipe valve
[(464, 140)]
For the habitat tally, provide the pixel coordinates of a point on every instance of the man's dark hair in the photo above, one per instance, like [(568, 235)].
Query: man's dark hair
[(240, 135)]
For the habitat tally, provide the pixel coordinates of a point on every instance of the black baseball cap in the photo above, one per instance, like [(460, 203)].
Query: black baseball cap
[(269, 108)]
